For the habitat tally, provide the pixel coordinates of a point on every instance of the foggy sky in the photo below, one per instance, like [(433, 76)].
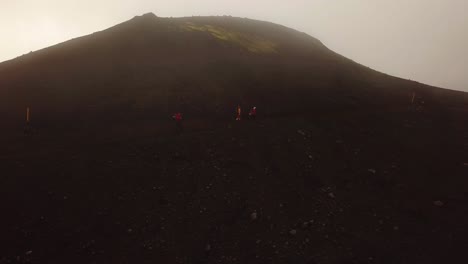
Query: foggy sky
[(423, 40)]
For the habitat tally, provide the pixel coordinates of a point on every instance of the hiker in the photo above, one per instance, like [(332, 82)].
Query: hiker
[(178, 118), (253, 113), (239, 112)]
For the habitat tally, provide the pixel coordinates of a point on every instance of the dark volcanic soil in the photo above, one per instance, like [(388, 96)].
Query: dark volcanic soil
[(347, 187), (340, 166)]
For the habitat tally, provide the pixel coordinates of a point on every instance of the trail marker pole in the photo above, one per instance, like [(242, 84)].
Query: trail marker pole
[(27, 129), (28, 115)]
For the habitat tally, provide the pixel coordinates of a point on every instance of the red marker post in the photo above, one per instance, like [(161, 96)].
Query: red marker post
[(27, 129), (28, 115)]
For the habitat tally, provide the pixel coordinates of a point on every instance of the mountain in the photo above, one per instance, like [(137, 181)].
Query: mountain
[(343, 164), (154, 66)]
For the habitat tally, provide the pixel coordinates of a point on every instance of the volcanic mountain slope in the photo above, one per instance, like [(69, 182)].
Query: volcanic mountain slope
[(343, 164), (201, 66)]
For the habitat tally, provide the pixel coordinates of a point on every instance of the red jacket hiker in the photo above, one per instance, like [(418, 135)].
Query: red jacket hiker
[(177, 117), (253, 112)]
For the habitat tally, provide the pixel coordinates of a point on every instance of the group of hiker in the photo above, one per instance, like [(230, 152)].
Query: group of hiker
[(178, 117), (252, 115)]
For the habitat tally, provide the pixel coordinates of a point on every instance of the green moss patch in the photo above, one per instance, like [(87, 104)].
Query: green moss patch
[(251, 43)]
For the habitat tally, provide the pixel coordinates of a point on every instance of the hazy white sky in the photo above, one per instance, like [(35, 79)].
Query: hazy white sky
[(423, 40)]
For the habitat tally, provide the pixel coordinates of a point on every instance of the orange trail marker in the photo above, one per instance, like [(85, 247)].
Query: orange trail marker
[(238, 118)]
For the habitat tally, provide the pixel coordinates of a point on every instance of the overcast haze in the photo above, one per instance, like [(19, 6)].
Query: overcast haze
[(423, 40)]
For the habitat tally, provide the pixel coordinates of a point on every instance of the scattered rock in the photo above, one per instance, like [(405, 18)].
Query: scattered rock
[(293, 232), (207, 247), (301, 132), (253, 216), (29, 252), (130, 230), (331, 195), (438, 203), (396, 228), (372, 171)]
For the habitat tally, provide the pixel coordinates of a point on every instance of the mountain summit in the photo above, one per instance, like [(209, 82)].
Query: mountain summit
[(149, 15)]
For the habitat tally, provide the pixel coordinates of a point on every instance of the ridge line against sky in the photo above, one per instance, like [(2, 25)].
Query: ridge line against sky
[(422, 40)]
